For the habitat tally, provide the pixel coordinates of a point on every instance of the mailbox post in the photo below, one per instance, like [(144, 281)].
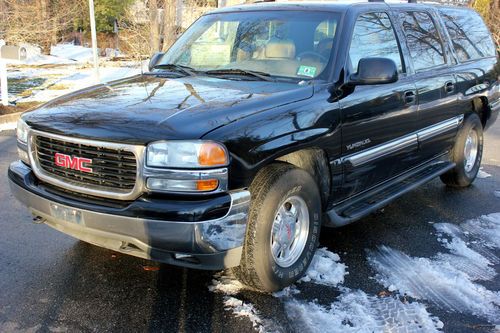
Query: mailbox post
[(8, 52)]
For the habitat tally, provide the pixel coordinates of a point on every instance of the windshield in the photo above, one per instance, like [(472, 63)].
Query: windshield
[(278, 43)]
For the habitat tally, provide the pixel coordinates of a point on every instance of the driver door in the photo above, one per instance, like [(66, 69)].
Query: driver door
[(378, 121)]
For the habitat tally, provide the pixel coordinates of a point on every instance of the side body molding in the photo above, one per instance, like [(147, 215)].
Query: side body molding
[(405, 142)]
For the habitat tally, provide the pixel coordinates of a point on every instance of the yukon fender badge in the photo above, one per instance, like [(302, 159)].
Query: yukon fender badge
[(358, 144)]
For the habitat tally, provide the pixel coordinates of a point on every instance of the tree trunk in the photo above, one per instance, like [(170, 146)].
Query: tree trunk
[(169, 24), (154, 26), (42, 7)]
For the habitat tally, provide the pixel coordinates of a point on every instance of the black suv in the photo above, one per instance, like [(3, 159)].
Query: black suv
[(261, 124)]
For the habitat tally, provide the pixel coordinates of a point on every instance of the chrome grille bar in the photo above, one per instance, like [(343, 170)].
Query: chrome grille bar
[(116, 168)]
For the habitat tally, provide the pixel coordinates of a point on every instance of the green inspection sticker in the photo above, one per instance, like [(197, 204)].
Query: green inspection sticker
[(308, 71)]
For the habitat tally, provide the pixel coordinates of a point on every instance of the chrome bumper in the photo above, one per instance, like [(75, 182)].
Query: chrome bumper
[(212, 244)]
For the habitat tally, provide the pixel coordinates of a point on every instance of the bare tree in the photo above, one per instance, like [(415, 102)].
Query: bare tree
[(154, 25), (169, 23), (40, 22)]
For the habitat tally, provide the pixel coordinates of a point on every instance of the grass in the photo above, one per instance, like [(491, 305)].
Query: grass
[(58, 86), (19, 107), (17, 86)]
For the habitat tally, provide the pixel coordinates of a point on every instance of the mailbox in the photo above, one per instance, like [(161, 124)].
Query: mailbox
[(12, 52)]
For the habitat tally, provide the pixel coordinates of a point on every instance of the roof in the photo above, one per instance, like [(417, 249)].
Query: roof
[(336, 6)]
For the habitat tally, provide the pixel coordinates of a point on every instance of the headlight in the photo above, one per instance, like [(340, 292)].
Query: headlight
[(186, 154), (22, 131)]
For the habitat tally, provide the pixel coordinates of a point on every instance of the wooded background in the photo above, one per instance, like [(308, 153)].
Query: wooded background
[(137, 27)]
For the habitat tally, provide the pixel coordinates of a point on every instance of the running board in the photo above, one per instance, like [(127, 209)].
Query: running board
[(366, 203)]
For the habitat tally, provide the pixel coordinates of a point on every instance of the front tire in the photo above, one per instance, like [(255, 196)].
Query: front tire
[(283, 228), (467, 154)]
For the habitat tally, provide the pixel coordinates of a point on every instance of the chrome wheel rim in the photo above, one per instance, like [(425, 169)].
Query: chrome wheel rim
[(471, 150), (289, 231)]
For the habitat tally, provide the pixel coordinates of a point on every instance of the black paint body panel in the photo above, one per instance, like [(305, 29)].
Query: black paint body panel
[(261, 121)]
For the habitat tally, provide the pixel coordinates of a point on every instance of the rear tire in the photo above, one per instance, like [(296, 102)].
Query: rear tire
[(283, 229), (467, 154)]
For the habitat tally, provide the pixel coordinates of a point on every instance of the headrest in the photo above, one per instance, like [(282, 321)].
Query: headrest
[(280, 48)]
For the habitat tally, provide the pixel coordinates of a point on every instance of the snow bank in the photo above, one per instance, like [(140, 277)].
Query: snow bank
[(355, 311), (325, 269), (8, 126), (60, 54), (72, 52), (447, 279)]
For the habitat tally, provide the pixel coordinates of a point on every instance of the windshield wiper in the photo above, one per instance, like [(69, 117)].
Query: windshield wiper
[(186, 70), (236, 71)]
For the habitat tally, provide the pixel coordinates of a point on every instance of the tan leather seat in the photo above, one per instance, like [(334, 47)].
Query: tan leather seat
[(280, 49)]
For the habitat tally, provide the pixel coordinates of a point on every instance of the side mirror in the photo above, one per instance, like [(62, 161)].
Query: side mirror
[(155, 58), (375, 71)]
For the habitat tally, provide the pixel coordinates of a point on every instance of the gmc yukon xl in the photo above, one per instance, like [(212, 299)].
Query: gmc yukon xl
[(260, 125)]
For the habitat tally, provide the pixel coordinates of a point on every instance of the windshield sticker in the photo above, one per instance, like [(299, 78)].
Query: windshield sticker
[(308, 71)]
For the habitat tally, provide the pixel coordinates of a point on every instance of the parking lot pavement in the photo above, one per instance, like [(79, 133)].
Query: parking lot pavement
[(426, 262)]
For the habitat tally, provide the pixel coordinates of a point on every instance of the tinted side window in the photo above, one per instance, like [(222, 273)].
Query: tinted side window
[(423, 39), (468, 33), (374, 36)]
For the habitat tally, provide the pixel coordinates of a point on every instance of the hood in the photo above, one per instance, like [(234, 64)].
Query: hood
[(147, 108)]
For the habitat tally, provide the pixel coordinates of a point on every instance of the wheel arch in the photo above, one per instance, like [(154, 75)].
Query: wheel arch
[(315, 162), (480, 106)]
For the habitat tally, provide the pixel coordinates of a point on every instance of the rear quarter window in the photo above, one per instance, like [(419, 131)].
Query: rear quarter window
[(468, 33)]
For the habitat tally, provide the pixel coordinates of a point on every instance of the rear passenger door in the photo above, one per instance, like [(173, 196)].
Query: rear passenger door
[(377, 120), (436, 84)]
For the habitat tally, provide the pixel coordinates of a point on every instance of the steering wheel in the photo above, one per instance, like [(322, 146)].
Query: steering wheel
[(314, 54)]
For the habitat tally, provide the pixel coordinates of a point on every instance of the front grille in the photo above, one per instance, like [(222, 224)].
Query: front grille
[(112, 169)]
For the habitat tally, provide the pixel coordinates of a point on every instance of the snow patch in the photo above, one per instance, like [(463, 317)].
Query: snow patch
[(8, 126), (242, 309), (357, 312), (287, 292), (436, 281), (325, 269), (353, 311), (67, 81), (225, 284), (483, 174), (447, 279)]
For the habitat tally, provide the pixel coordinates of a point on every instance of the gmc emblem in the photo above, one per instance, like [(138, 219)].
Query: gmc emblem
[(75, 163)]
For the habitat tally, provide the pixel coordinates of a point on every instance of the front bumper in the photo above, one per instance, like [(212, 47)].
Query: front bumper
[(208, 244)]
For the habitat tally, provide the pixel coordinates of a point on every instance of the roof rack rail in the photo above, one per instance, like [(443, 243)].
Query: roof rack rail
[(409, 1)]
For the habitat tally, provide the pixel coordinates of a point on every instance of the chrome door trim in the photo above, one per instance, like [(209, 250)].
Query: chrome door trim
[(382, 150), (439, 128), (414, 139)]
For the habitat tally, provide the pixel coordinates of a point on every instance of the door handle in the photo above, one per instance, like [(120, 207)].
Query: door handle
[(409, 97), (449, 87)]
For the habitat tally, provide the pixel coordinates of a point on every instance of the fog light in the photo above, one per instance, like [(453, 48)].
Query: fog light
[(174, 185)]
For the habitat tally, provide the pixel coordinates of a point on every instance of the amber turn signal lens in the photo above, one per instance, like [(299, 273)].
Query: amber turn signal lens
[(212, 154), (207, 185)]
